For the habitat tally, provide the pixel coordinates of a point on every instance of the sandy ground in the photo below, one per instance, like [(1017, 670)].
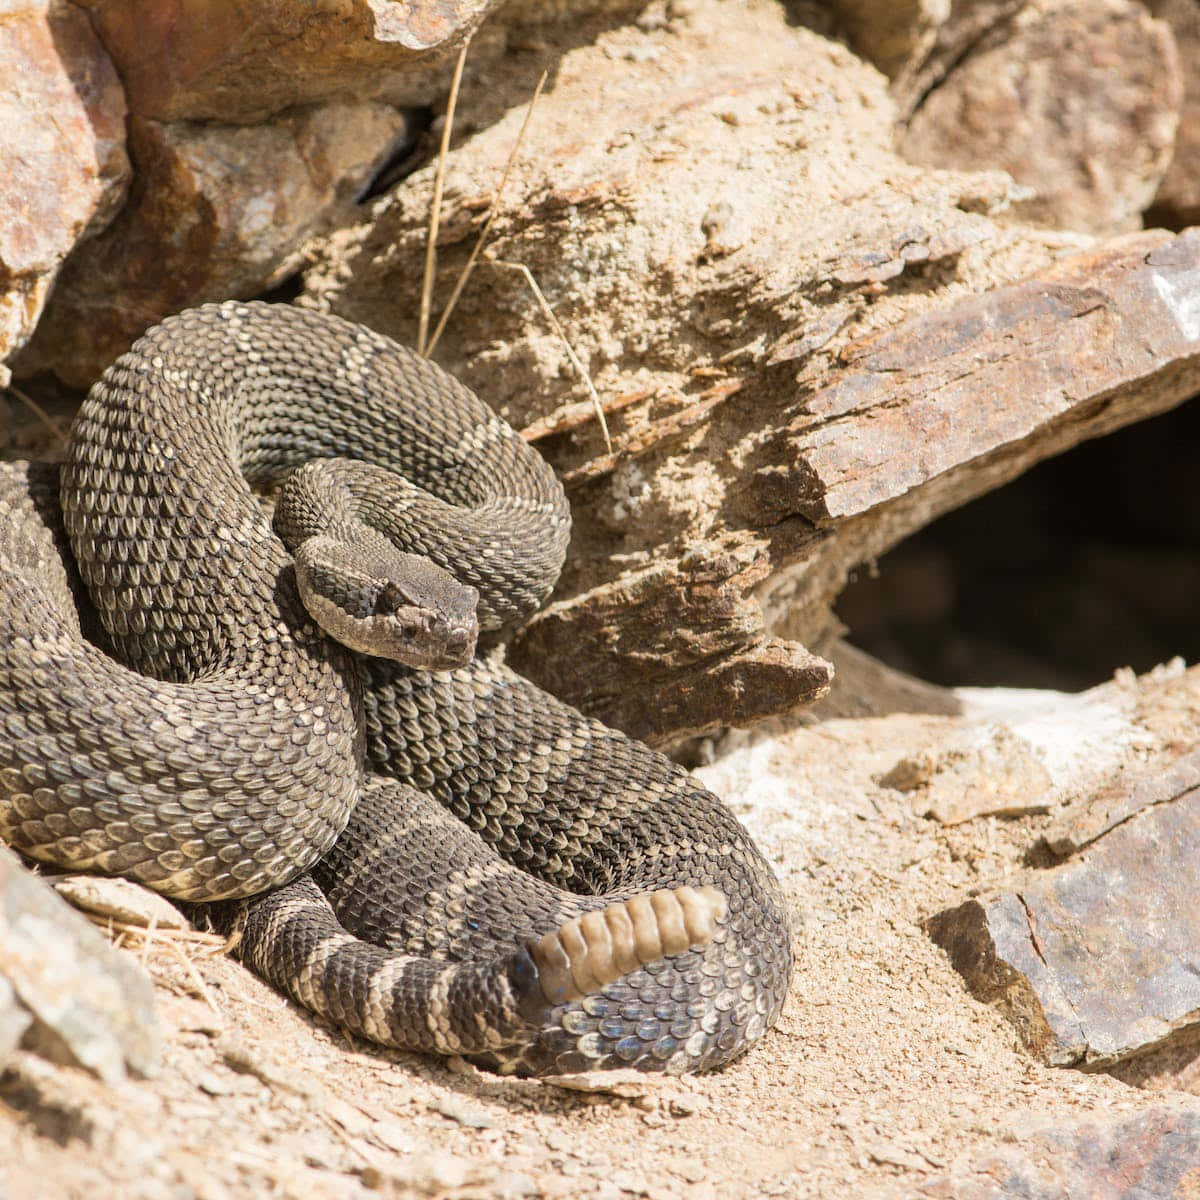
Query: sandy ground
[(882, 1077)]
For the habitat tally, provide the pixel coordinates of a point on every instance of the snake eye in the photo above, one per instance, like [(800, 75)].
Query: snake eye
[(389, 599)]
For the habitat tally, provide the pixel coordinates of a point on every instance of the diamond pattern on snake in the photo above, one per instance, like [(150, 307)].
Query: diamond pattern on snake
[(288, 720)]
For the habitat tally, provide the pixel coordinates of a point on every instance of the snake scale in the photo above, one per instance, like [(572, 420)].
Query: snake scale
[(423, 848)]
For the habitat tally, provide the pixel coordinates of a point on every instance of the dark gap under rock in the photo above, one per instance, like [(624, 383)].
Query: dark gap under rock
[(1085, 564)]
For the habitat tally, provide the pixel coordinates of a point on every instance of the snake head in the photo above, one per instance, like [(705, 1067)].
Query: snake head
[(381, 601)]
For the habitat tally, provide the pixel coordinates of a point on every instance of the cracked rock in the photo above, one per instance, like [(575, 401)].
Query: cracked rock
[(1096, 960)]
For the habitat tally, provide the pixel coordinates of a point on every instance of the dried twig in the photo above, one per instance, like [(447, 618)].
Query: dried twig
[(572, 416), (34, 407), (558, 329), (148, 938), (435, 211), (493, 209)]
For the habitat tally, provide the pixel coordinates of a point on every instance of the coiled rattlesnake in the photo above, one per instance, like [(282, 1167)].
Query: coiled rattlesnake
[(511, 879)]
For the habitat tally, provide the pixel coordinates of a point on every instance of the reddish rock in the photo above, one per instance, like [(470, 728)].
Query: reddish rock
[(215, 211), (229, 60), (1079, 103), (63, 168)]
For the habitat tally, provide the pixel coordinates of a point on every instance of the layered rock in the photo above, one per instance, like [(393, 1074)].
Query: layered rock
[(734, 308)]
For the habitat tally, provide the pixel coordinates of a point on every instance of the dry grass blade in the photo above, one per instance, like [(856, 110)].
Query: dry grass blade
[(202, 988), (148, 939), (493, 209), (207, 944), (558, 329), (55, 428), (435, 210)]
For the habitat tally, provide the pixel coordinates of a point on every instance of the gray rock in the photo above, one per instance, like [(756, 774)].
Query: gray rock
[(85, 1003), (1098, 959)]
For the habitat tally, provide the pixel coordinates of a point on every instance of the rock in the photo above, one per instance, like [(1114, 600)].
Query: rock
[(827, 478), (987, 771), (121, 899), (892, 34), (1097, 960), (961, 25), (15, 1019), (1177, 202), (215, 211), (1147, 1155), (63, 167), (1084, 822), (90, 1005), (1078, 102), (214, 60)]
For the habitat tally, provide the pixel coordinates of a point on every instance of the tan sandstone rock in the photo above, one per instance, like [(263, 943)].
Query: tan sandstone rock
[(63, 167)]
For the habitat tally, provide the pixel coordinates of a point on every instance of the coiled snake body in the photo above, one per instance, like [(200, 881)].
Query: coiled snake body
[(491, 873)]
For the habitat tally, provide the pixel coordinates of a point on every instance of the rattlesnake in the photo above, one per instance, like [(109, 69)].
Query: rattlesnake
[(530, 887)]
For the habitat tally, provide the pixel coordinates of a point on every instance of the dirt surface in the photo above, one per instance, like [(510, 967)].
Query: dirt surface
[(882, 1076)]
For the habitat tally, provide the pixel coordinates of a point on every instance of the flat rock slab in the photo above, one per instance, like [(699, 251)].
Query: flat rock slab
[(1081, 824), (1098, 959)]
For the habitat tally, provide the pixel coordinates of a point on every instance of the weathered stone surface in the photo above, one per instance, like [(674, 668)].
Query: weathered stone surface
[(985, 387), (120, 899), (963, 25), (892, 34), (215, 211), (239, 61), (990, 771), (1098, 959), (1021, 367), (63, 167), (1079, 102), (1153, 1155), (91, 1005), (1178, 197), (15, 1019), (1084, 822)]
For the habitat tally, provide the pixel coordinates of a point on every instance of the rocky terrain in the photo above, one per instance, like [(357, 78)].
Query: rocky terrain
[(832, 272)]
